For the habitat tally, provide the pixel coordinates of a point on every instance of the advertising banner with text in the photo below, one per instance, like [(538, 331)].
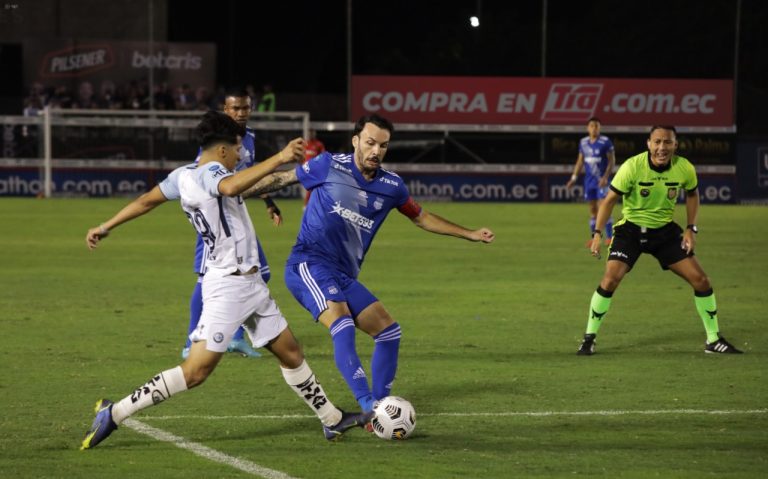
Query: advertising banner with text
[(69, 62), (544, 101)]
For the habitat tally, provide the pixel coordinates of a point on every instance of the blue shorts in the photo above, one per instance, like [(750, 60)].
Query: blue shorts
[(313, 284), (594, 193)]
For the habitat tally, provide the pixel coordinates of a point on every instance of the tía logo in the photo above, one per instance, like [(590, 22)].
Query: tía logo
[(76, 61), (571, 101), (355, 218), (387, 181)]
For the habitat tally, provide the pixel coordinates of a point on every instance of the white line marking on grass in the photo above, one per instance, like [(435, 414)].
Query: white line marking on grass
[(619, 412), (205, 452)]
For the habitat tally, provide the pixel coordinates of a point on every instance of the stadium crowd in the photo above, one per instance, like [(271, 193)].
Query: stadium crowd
[(134, 95)]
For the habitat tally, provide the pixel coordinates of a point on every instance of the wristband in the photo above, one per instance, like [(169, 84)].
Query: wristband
[(270, 204), (597, 232)]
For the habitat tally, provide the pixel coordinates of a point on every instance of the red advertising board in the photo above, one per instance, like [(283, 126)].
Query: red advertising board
[(544, 101)]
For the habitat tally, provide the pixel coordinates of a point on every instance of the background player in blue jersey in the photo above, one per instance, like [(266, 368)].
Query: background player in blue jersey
[(237, 105), (351, 196), (597, 157)]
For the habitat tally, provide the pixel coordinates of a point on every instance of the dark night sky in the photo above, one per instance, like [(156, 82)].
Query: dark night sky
[(301, 46)]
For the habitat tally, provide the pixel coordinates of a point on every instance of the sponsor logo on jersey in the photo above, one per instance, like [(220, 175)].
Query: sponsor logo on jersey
[(355, 218), (378, 203), (387, 181), (671, 193), (645, 192), (342, 168), (362, 194), (76, 61)]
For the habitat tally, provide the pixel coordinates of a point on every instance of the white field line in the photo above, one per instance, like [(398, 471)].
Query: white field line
[(609, 412), (205, 452)]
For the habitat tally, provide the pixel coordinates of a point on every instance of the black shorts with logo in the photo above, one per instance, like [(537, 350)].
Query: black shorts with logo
[(631, 240)]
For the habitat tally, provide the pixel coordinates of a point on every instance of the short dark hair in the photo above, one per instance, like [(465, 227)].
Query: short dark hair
[(662, 127), (236, 92), (594, 118), (377, 120), (216, 127)]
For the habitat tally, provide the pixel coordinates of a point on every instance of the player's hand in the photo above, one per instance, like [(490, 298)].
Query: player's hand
[(603, 182), (689, 241), (274, 215), (594, 248), (95, 235), (483, 234), (570, 183), (293, 151)]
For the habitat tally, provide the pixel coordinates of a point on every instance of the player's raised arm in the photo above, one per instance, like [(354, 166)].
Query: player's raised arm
[(244, 180), (272, 182), (140, 206)]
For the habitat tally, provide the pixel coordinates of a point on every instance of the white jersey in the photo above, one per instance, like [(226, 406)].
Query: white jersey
[(222, 222)]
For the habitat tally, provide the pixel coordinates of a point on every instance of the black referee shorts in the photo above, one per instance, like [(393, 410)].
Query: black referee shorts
[(631, 240)]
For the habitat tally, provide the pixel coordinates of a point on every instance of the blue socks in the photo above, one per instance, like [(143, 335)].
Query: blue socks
[(608, 227), (384, 360), (348, 362)]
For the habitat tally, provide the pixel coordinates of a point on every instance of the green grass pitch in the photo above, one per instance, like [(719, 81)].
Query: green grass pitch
[(487, 357)]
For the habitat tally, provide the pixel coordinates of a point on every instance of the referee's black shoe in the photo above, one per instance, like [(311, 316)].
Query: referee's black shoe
[(587, 347), (721, 346)]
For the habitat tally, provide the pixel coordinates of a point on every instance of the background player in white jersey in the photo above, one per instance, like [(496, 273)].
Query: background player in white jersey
[(234, 292), (596, 156), (351, 196), (237, 105)]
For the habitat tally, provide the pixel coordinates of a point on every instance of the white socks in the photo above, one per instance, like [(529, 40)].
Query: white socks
[(155, 391), (303, 381)]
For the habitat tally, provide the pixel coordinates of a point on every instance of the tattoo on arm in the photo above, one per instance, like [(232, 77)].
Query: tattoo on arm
[(272, 182)]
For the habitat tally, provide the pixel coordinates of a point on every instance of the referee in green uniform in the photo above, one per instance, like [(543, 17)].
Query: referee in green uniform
[(650, 184)]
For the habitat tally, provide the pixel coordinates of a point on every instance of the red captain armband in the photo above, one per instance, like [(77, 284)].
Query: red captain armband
[(410, 208)]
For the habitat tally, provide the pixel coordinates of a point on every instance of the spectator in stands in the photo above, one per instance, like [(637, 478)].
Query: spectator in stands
[(185, 100), (85, 97)]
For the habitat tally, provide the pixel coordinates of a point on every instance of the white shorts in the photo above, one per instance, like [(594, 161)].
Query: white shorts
[(232, 301)]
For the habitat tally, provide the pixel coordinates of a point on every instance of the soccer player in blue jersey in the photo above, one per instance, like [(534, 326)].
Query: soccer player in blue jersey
[(351, 196), (235, 294), (597, 157), (237, 105)]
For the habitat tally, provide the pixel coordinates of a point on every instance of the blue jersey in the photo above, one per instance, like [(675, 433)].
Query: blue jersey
[(246, 160), (595, 159), (344, 211)]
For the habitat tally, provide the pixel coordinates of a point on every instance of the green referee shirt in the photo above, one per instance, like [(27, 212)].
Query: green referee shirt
[(650, 193)]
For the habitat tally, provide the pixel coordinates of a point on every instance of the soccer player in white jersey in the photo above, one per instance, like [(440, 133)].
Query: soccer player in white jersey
[(351, 196), (597, 157), (234, 293), (237, 105)]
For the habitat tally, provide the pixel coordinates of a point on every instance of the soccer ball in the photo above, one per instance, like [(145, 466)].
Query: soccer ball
[(394, 418)]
